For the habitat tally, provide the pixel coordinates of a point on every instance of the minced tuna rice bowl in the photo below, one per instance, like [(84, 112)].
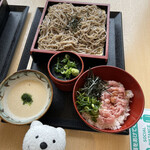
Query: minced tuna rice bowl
[(104, 104)]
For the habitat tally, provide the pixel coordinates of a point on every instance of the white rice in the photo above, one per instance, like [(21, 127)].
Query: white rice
[(118, 122)]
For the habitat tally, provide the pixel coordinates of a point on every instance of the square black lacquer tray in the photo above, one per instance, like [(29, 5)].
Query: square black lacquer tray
[(62, 112), (9, 36)]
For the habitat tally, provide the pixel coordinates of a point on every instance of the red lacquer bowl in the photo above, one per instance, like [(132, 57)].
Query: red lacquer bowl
[(64, 85), (129, 82)]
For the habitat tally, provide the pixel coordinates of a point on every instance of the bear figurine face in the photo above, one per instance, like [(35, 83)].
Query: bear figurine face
[(44, 137)]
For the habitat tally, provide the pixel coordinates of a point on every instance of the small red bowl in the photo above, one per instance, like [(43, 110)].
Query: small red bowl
[(129, 82), (64, 85)]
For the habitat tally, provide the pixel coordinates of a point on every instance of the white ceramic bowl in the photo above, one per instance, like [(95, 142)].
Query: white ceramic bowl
[(31, 82)]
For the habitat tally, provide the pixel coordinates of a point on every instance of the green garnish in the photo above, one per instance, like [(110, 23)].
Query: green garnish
[(26, 98), (88, 97), (66, 68), (74, 71), (88, 104)]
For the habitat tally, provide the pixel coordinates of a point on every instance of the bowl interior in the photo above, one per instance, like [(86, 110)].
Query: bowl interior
[(12, 107), (119, 75), (73, 57)]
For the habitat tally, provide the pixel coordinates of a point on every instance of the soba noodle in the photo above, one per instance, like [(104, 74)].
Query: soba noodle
[(74, 28)]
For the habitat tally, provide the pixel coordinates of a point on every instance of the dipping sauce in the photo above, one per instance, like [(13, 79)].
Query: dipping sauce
[(33, 87)]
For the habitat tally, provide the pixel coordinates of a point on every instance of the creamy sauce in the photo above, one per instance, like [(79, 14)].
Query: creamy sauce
[(39, 96)]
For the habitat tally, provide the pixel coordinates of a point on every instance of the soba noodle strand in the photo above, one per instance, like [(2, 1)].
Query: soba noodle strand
[(79, 29)]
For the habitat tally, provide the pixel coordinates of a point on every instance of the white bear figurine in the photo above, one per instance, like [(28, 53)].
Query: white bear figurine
[(44, 137)]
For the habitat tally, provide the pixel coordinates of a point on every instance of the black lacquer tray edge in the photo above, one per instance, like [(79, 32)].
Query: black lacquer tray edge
[(14, 41)]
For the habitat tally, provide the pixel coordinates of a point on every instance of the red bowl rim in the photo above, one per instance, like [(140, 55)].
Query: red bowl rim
[(107, 130), (66, 81)]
